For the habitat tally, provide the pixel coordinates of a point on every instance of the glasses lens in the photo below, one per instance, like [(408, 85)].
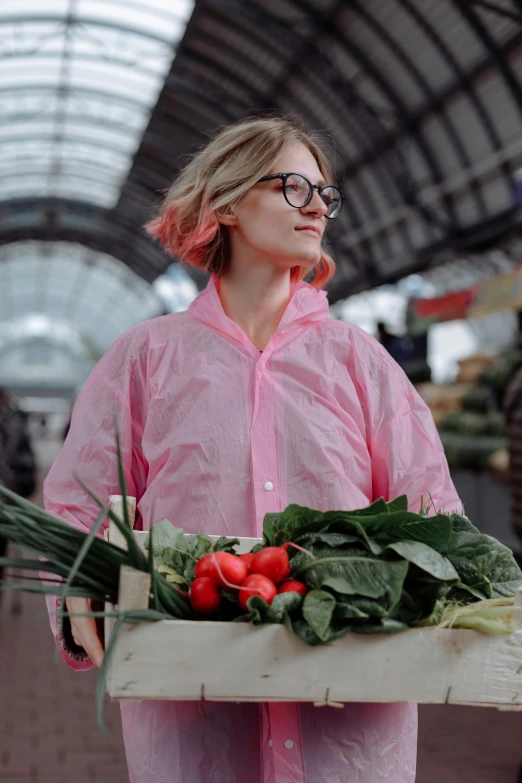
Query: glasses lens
[(332, 198), (297, 190)]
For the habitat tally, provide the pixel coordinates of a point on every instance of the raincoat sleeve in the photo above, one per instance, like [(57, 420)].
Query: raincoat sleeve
[(115, 388), (406, 450)]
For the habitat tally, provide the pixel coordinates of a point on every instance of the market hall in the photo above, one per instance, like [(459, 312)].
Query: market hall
[(416, 109)]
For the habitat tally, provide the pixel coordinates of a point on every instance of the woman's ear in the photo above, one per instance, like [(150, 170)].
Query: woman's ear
[(227, 217)]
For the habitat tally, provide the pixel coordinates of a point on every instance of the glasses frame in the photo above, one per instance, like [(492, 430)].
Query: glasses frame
[(311, 187)]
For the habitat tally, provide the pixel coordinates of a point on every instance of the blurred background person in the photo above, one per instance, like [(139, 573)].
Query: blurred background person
[(392, 343), (17, 458)]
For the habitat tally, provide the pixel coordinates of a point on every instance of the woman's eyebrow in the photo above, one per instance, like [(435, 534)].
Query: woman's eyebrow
[(319, 181)]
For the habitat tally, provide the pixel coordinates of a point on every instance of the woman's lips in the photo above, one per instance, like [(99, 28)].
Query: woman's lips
[(310, 230)]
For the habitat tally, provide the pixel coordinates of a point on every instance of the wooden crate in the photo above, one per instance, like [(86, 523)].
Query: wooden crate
[(194, 660)]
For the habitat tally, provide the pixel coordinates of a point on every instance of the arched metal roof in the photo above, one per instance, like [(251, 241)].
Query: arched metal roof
[(420, 103), (70, 287)]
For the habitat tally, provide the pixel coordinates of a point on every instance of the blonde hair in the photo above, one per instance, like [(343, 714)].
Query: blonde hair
[(215, 180)]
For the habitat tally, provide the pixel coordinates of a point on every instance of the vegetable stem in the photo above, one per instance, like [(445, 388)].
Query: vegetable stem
[(301, 549)]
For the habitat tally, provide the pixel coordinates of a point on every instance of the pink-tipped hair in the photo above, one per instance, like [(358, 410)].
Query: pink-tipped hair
[(163, 228), (218, 176), (189, 246)]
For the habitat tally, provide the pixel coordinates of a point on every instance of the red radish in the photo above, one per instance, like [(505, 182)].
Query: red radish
[(256, 584), (293, 586), (233, 569), (272, 561), (205, 597), (247, 559), (205, 567)]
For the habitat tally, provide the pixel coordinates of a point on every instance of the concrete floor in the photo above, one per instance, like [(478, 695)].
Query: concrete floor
[(48, 731)]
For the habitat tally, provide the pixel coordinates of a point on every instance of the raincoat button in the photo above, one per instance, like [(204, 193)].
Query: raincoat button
[(269, 486), (289, 744)]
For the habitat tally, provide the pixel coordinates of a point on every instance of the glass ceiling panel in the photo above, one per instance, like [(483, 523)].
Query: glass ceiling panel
[(78, 74), (99, 296)]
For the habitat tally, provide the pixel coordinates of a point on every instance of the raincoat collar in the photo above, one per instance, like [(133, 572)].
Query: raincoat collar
[(307, 306)]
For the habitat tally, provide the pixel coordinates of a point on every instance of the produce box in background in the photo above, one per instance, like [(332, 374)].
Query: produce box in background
[(439, 397), (470, 413), (471, 368)]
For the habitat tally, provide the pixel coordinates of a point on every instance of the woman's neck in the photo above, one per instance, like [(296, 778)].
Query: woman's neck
[(255, 299)]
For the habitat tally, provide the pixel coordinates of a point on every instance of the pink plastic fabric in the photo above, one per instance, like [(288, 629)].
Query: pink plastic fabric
[(215, 435)]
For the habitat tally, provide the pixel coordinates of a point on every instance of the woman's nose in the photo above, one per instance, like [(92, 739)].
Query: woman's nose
[(316, 205)]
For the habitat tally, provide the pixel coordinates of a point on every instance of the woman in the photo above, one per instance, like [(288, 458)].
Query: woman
[(249, 401)]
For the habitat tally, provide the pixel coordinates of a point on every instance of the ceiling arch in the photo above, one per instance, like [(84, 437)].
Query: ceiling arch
[(420, 105)]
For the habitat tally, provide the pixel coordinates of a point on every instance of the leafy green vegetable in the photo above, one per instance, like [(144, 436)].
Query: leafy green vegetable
[(383, 569), (176, 553), (426, 558), (279, 528), (276, 612), (365, 576), (318, 609)]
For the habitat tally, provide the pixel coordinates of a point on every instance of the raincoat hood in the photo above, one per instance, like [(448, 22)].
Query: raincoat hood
[(307, 306)]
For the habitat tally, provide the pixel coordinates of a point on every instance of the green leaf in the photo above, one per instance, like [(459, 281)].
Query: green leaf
[(165, 535), (258, 610), (136, 556), (171, 575), (84, 550), (335, 540), (321, 551), (346, 523), (398, 504), (278, 528), (318, 609), (348, 611), (283, 604), (368, 577), (482, 560), (461, 524), (276, 612), (501, 569), (121, 476), (377, 507), (405, 526), (305, 633), (471, 576), (200, 546), (153, 576), (426, 558), (432, 597), (225, 544), (462, 593), (372, 608)]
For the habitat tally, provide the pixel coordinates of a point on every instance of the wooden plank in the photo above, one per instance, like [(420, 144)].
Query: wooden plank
[(133, 589), (236, 662), (113, 535)]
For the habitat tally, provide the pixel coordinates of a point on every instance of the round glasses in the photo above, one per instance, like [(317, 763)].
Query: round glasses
[(298, 192)]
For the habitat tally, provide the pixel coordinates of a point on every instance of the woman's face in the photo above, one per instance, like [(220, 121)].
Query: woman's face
[(272, 230)]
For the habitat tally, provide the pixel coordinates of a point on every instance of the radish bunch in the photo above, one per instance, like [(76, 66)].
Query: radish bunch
[(264, 574)]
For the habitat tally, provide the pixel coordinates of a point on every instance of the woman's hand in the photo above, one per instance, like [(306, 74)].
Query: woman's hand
[(84, 630)]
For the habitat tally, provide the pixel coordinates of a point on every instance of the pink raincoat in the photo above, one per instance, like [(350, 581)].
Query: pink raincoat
[(215, 434)]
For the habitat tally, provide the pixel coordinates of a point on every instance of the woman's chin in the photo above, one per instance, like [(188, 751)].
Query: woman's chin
[(308, 259)]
